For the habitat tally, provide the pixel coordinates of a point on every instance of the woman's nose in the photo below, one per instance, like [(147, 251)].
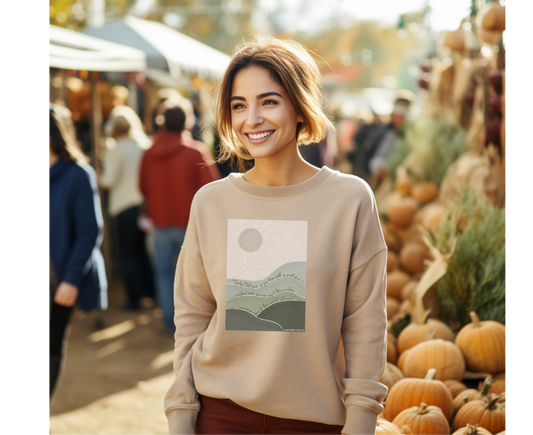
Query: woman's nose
[(254, 117)]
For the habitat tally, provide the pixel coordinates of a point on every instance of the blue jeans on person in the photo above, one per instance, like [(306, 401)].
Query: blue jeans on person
[(167, 245)]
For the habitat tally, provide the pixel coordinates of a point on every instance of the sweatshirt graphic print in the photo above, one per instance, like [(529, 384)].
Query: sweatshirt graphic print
[(266, 273)]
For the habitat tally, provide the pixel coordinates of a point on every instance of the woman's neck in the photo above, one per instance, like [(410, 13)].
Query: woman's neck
[(285, 171)]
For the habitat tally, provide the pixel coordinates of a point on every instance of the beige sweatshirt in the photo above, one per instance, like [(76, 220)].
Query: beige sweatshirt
[(280, 302)]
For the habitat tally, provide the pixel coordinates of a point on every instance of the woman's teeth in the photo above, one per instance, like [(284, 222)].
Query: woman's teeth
[(260, 135)]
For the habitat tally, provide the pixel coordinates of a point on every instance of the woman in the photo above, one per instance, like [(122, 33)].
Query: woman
[(76, 263), (287, 335)]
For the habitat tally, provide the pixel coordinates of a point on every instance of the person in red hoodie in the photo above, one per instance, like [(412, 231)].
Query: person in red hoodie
[(170, 175)]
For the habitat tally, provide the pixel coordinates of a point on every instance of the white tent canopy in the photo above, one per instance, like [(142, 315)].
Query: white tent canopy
[(166, 49), (76, 51)]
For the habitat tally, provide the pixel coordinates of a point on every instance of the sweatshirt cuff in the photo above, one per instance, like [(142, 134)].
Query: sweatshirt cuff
[(74, 278), (360, 421), (182, 421)]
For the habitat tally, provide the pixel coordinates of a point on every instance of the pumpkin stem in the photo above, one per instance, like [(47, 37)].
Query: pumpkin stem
[(423, 408), (430, 374), (471, 428), (475, 319), (431, 334), (486, 385), (465, 399), (492, 402)]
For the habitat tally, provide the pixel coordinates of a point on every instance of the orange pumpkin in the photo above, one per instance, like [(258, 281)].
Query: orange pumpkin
[(433, 217), (395, 282), (409, 391), (493, 17), (424, 420), (384, 427), (486, 413), (455, 387), (392, 353), (404, 184), (393, 305), (392, 261), (413, 256), (440, 354), (415, 333), (483, 345), (401, 359), (463, 398), (470, 429), (425, 191), (391, 375), (401, 211)]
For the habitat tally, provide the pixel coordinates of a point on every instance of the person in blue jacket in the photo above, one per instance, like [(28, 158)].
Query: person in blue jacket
[(77, 270)]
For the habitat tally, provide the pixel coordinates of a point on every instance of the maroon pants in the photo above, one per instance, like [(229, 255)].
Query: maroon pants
[(222, 416)]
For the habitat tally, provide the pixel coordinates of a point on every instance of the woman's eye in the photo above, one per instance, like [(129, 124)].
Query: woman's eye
[(237, 106), (270, 102)]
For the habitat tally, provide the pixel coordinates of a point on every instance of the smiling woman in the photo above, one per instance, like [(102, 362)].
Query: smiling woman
[(287, 335)]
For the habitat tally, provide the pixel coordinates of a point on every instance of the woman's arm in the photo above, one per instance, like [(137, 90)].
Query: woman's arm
[(194, 308), (365, 323)]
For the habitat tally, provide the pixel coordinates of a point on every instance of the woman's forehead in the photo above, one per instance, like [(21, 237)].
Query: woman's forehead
[(254, 81)]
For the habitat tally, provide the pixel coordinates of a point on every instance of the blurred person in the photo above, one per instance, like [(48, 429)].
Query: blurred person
[(120, 174), (77, 270), (187, 138), (280, 285), (374, 143), (136, 132), (170, 175)]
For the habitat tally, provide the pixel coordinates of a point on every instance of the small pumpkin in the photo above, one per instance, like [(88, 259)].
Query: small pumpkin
[(413, 256), (392, 261), (402, 210), (442, 355), (409, 391), (384, 427), (415, 333), (395, 282), (483, 345), (424, 420), (470, 429), (401, 359), (393, 305), (392, 353), (425, 191), (472, 394), (455, 387), (391, 375), (404, 184), (486, 413)]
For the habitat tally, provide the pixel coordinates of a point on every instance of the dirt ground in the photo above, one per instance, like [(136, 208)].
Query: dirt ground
[(115, 376)]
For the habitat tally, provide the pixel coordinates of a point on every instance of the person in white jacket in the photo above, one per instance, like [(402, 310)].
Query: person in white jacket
[(120, 174)]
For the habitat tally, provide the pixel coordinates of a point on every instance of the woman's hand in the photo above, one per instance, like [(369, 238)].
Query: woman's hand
[(66, 294)]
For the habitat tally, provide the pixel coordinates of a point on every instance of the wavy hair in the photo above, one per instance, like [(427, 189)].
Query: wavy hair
[(291, 66)]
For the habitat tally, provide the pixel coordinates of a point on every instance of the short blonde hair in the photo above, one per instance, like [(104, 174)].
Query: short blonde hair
[(291, 66)]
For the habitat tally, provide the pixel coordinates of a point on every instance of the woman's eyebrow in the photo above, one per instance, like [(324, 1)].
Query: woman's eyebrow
[(266, 94)]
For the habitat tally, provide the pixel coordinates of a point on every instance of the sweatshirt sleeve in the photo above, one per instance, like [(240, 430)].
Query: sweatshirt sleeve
[(364, 327), (194, 307)]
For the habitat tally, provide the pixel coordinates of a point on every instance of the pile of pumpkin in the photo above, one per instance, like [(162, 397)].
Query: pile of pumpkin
[(428, 362)]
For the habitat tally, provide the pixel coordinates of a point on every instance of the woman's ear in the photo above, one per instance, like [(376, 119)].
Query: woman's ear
[(300, 119)]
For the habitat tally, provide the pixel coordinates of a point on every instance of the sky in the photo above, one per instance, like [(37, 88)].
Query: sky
[(445, 15)]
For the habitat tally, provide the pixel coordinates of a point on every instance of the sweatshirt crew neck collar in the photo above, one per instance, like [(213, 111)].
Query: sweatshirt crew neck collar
[(237, 181)]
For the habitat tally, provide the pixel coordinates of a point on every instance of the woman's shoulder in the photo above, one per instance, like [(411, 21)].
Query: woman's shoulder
[(350, 185)]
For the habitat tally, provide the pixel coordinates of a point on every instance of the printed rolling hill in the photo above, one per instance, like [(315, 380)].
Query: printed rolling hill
[(276, 303)]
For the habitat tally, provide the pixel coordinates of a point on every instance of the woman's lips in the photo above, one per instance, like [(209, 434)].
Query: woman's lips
[(260, 140)]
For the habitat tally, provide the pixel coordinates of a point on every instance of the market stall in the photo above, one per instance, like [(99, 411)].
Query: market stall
[(443, 218)]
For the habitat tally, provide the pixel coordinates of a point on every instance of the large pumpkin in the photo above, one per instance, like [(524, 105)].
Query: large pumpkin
[(423, 420), (483, 345), (408, 392), (470, 429), (486, 413), (401, 359), (442, 355), (415, 333), (384, 427)]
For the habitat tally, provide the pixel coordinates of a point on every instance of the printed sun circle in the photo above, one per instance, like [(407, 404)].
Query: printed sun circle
[(250, 240)]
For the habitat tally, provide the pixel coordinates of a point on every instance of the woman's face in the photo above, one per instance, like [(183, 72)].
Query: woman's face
[(262, 115)]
